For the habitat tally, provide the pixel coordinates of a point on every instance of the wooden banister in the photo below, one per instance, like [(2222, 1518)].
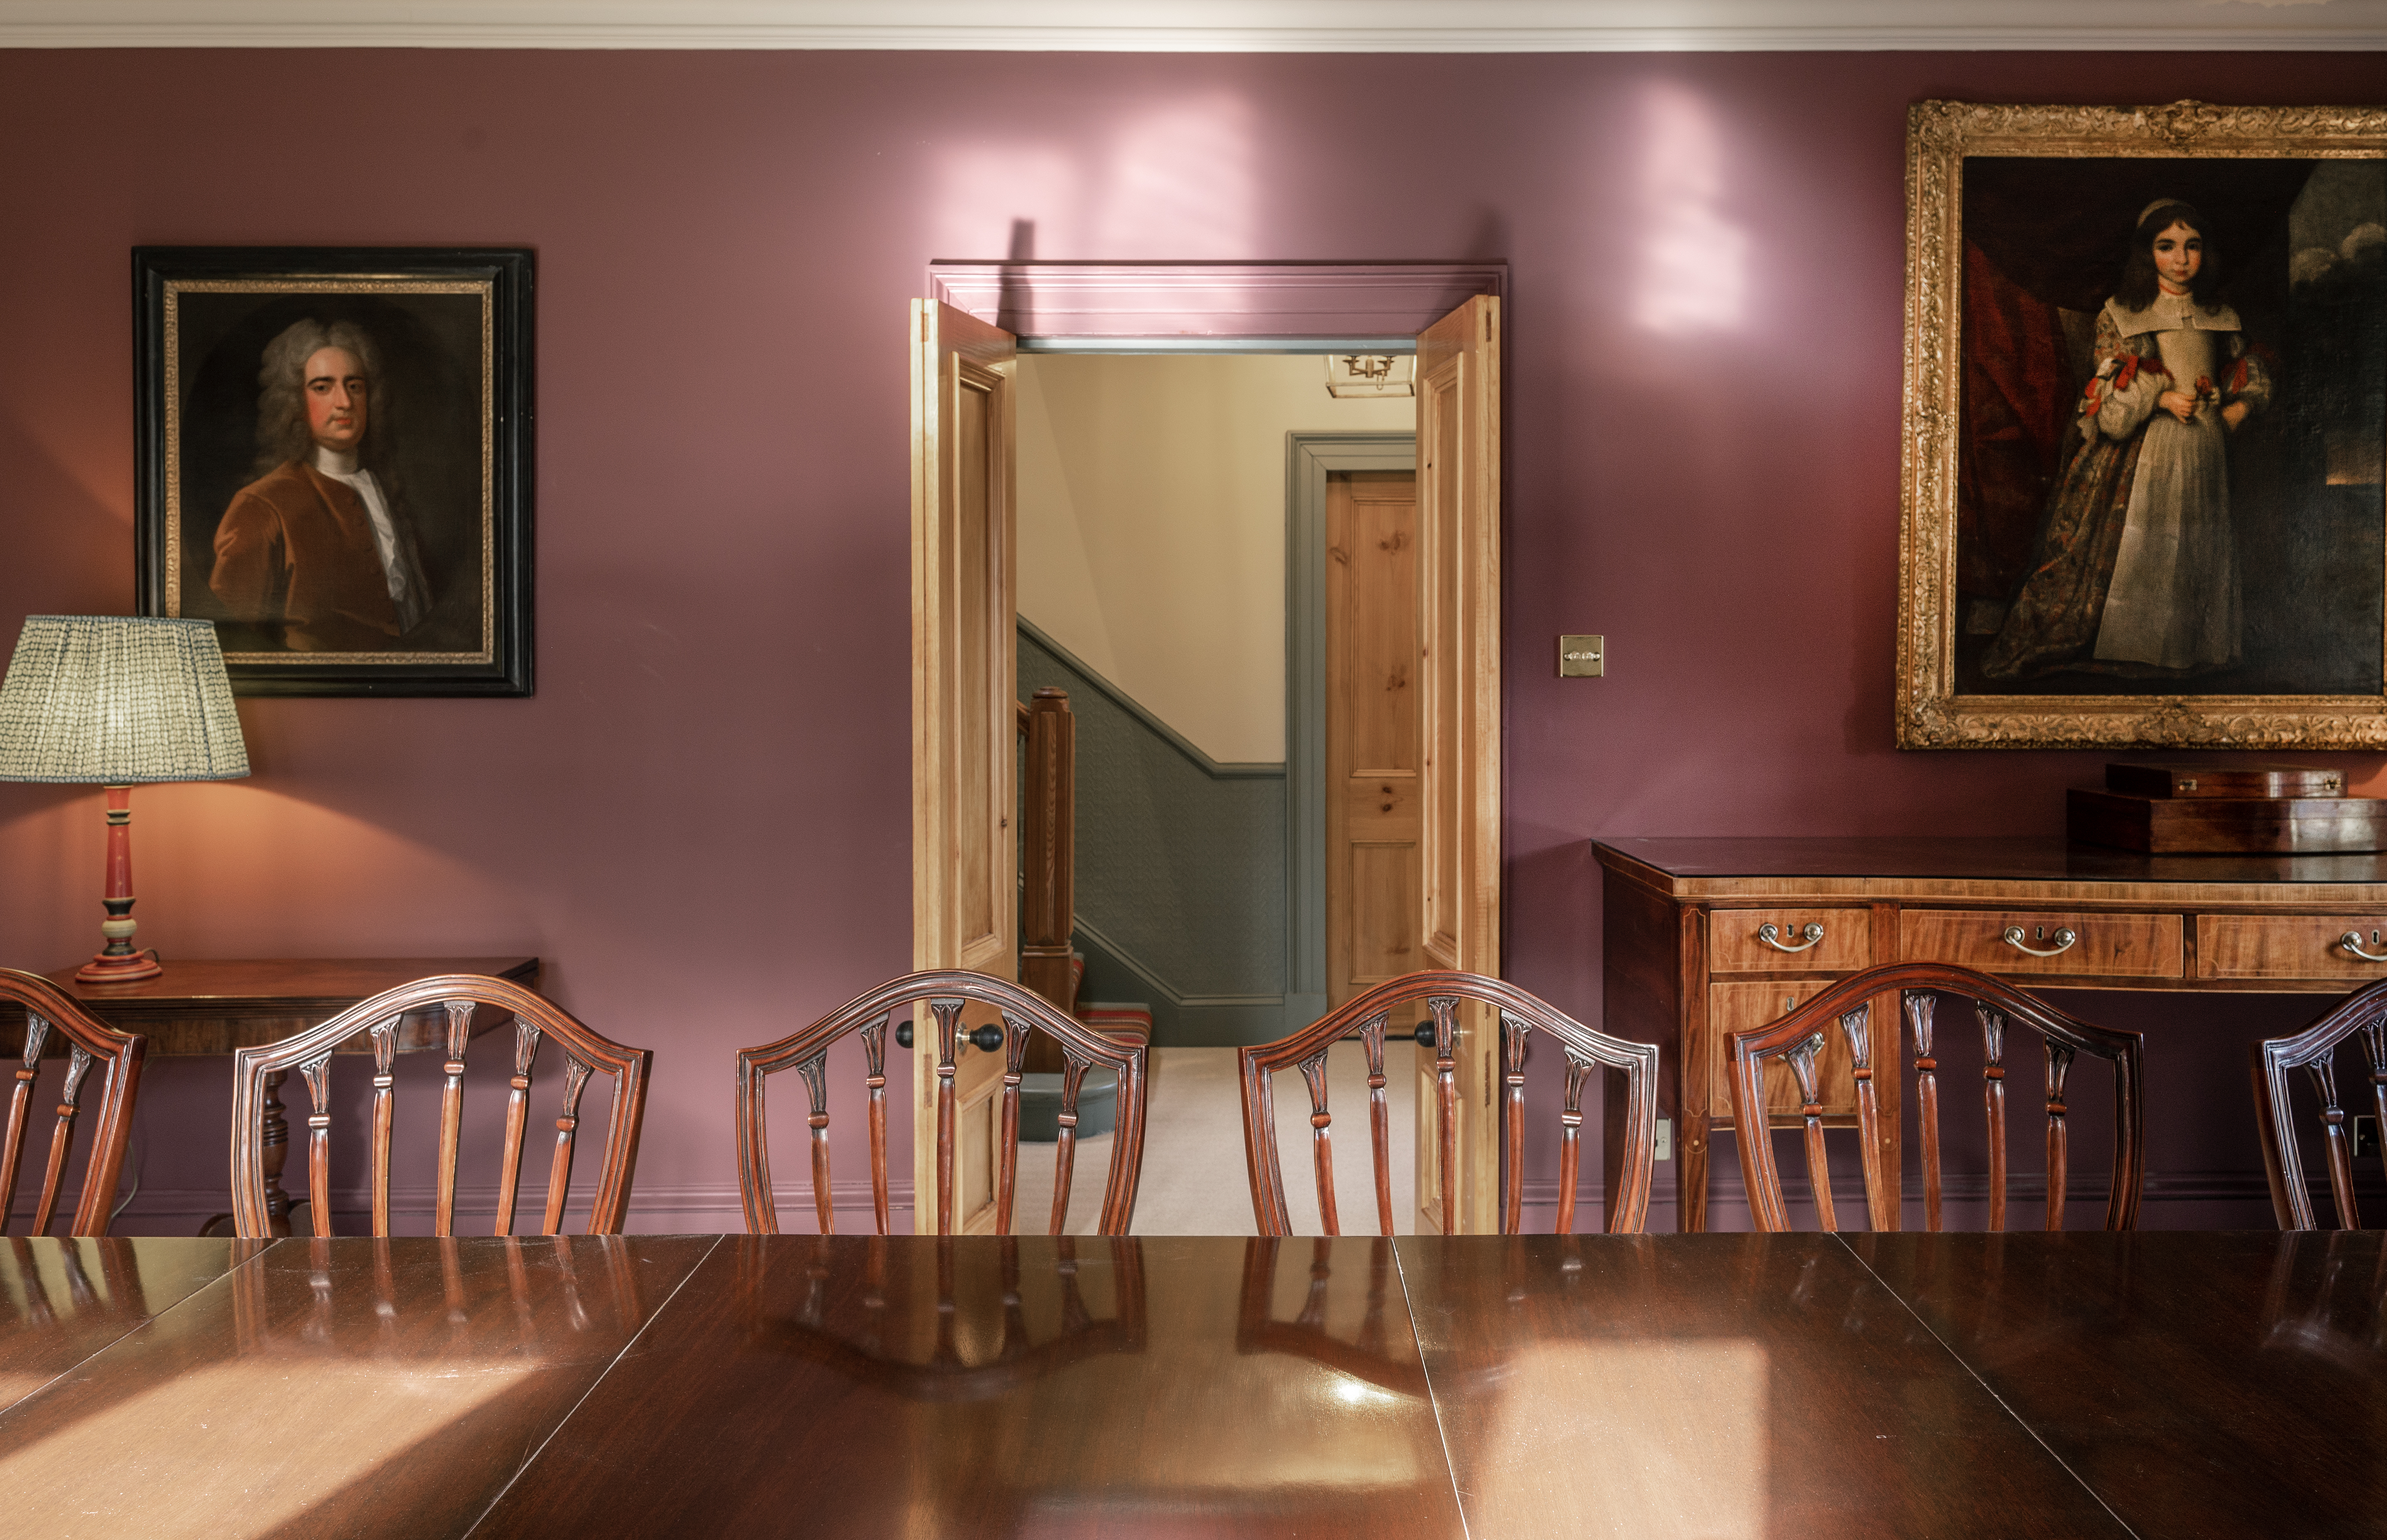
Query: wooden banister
[(1048, 846)]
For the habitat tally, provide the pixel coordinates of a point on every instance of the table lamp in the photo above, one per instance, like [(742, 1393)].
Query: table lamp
[(112, 701)]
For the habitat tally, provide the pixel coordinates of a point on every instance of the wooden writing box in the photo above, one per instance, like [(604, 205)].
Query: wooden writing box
[(2181, 809), (2186, 778)]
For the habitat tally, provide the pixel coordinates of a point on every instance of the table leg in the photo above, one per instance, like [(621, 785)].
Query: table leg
[(273, 1149)]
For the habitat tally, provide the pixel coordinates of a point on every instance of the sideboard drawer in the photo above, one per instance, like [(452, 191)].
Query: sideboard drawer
[(2287, 946), (2147, 946), (1736, 945), (1738, 1007)]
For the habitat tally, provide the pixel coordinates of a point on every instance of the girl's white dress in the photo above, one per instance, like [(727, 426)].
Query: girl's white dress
[(2173, 603)]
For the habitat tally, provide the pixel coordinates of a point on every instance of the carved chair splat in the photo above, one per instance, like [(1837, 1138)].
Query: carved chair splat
[(2362, 1015), (945, 992), (586, 1053), (1365, 1016), (89, 1041), (1798, 1038)]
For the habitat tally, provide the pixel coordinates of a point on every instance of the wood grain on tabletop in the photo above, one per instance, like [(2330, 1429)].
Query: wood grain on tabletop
[(2202, 1384), (331, 1387), (983, 1385), (63, 1300), (1714, 1384)]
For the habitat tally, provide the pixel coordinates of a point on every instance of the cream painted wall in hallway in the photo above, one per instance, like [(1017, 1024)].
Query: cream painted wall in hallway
[(1152, 526)]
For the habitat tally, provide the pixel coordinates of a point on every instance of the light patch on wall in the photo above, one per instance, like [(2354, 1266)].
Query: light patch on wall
[(225, 861), (1175, 181), (1694, 261), (1181, 181)]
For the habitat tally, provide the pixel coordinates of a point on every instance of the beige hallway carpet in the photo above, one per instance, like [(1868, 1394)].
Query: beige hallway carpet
[(1193, 1180)]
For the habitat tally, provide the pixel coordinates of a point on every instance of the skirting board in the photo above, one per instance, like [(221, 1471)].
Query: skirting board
[(1183, 1020)]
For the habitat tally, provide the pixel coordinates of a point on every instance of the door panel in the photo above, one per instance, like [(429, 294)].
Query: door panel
[(965, 881), (1384, 912), (1459, 527), (1371, 729)]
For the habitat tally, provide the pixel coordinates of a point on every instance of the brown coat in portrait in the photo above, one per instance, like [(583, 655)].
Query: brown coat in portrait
[(298, 547)]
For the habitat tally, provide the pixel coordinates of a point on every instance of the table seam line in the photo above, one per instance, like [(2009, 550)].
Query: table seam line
[(2003, 1406), (565, 1420), (137, 1326), (1449, 1466)]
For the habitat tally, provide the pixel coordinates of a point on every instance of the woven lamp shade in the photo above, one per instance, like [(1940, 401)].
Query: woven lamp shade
[(115, 700)]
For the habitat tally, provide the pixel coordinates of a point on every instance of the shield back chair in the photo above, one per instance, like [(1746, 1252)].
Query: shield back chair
[(586, 1053), (2362, 1014), (946, 993), (1798, 1039), (49, 1008), (1366, 1016)]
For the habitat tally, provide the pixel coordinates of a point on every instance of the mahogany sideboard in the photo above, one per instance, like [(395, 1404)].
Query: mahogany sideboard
[(205, 1005), (1703, 938)]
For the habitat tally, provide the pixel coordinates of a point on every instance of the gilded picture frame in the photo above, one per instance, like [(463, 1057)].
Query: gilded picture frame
[(332, 462), (2144, 487)]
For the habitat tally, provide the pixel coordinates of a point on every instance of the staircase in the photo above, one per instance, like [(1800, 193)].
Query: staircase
[(1048, 851)]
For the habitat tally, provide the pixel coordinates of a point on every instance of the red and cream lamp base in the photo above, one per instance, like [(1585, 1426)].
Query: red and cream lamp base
[(118, 962)]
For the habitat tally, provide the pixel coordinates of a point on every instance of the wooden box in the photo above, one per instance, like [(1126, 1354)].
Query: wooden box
[(2193, 778), (2198, 823)]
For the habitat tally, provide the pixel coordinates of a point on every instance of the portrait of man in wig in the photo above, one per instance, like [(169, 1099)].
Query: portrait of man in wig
[(319, 543)]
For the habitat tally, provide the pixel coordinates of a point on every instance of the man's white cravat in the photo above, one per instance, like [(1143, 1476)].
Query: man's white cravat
[(405, 587)]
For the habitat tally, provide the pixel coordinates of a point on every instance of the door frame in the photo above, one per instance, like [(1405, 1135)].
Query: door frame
[(1219, 307), (1309, 458)]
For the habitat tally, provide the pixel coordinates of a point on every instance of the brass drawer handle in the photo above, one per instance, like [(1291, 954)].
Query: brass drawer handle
[(2351, 941), (2064, 937), (1771, 935)]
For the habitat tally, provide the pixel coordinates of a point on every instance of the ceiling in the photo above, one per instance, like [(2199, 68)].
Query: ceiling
[(1206, 26)]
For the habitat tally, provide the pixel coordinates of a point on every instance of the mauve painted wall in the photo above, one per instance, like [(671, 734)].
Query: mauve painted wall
[(700, 820)]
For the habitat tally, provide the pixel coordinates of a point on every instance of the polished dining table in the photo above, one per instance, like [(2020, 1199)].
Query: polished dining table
[(2069, 1384)]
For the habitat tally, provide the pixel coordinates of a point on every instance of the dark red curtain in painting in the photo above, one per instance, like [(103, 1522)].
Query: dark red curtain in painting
[(2018, 400)]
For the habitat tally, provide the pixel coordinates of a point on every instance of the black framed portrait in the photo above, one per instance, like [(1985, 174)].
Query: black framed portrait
[(334, 462)]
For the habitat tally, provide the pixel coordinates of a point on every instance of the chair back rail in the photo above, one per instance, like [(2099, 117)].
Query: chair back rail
[(586, 1053), (1366, 1015), (49, 1008), (2360, 1015), (1798, 1039), (945, 992)]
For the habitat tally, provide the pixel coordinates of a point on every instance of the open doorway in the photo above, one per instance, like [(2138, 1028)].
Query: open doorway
[(1171, 547), (971, 552)]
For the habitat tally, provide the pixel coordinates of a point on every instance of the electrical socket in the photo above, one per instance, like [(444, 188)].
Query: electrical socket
[(2366, 1137), (1666, 1139)]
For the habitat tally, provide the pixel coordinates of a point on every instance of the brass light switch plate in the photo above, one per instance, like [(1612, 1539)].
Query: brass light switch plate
[(1582, 657)]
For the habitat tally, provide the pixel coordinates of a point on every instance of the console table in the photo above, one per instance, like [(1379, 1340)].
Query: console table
[(204, 1005), (1703, 938)]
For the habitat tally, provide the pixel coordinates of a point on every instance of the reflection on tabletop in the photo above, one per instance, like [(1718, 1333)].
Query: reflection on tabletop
[(63, 1300), (332, 1379), (1717, 1385), (1000, 1386)]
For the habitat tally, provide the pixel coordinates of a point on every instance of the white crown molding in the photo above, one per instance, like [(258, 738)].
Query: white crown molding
[(1206, 26)]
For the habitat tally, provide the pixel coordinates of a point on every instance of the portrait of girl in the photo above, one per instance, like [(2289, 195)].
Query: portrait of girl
[(2137, 568), (2172, 465)]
